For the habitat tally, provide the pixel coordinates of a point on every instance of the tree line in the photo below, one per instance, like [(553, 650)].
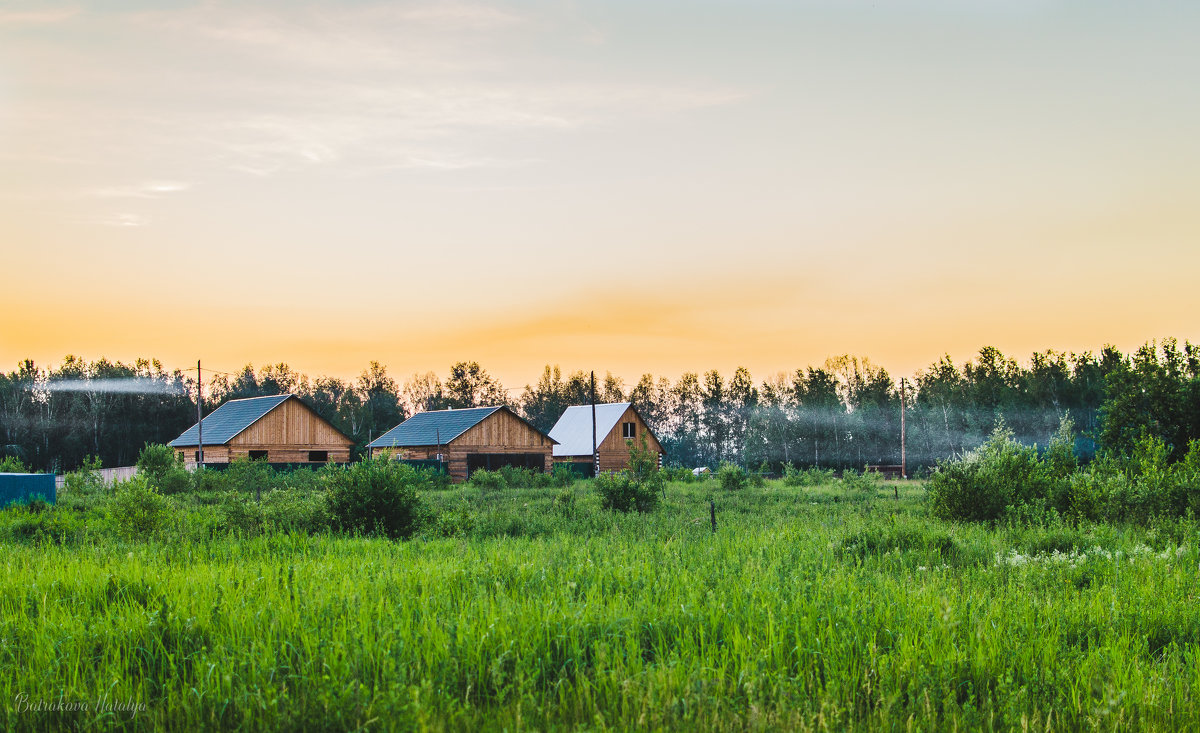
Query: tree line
[(843, 413)]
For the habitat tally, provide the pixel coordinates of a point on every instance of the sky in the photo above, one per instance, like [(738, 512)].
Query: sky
[(627, 186)]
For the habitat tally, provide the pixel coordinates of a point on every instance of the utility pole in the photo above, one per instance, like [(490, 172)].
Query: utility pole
[(903, 458), (595, 452), (199, 417)]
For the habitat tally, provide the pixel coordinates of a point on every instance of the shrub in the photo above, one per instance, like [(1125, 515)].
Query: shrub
[(155, 460), (563, 476), (244, 474), (12, 464), (486, 480), (86, 479), (295, 510), (528, 478), (620, 492), (377, 496), (793, 476), (240, 514), (983, 483), (138, 509), (732, 477), (866, 483)]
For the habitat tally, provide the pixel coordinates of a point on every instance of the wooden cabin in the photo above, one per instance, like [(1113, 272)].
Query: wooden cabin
[(468, 440), (617, 425), (277, 429)]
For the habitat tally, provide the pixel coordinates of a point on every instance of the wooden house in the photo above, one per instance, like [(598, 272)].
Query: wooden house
[(467, 440), (277, 429), (617, 425)]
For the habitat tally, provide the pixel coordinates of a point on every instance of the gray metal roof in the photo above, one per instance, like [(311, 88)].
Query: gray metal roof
[(573, 431), (231, 418), (430, 428)]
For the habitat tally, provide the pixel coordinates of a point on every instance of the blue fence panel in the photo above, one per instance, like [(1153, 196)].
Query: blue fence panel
[(24, 487)]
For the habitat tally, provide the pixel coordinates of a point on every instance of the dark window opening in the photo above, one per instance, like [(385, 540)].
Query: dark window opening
[(318, 456), (628, 430), (197, 456), (258, 455)]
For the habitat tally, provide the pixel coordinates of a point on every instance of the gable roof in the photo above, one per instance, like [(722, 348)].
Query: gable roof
[(573, 431), (224, 423)]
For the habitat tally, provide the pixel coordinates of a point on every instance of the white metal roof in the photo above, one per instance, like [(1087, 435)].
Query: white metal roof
[(573, 431)]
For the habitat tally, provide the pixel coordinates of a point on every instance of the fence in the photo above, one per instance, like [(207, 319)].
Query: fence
[(107, 475)]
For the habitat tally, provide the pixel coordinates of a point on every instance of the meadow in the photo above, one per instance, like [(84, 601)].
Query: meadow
[(838, 606)]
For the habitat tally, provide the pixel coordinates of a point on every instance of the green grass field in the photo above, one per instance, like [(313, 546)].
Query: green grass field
[(809, 608)]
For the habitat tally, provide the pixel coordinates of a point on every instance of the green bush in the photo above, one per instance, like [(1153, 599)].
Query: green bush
[(732, 477), (527, 478), (377, 496), (12, 464), (793, 476), (164, 468), (295, 510), (563, 476), (984, 483), (620, 492), (246, 475), (138, 509), (866, 483), (240, 514), (86, 479), (486, 480)]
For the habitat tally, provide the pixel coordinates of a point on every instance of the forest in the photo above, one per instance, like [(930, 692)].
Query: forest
[(844, 413)]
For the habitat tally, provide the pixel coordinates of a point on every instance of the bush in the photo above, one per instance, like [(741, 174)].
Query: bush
[(377, 496), (732, 477), (12, 464), (244, 474), (563, 476), (86, 479), (985, 482), (866, 483), (620, 492), (486, 480), (138, 509), (793, 476), (295, 510), (239, 514), (528, 478)]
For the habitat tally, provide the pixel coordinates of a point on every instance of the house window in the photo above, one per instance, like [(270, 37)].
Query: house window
[(258, 455), (197, 456), (318, 456), (628, 430)]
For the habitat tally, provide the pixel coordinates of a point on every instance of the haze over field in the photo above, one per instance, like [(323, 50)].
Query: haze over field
[(639, 187)]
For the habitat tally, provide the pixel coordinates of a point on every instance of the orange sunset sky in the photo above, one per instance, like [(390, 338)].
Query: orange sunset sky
[(628, 186)]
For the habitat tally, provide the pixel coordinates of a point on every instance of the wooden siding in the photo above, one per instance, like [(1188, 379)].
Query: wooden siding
[(286, 433), (502, 428), (613, 450), (212, 454), (500, 432), (291, 425)]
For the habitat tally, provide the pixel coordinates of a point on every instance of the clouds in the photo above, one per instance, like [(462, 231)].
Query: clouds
[(264, 90), (145, 190)]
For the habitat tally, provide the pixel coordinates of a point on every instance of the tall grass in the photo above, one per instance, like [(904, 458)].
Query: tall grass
[(810, 608)]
